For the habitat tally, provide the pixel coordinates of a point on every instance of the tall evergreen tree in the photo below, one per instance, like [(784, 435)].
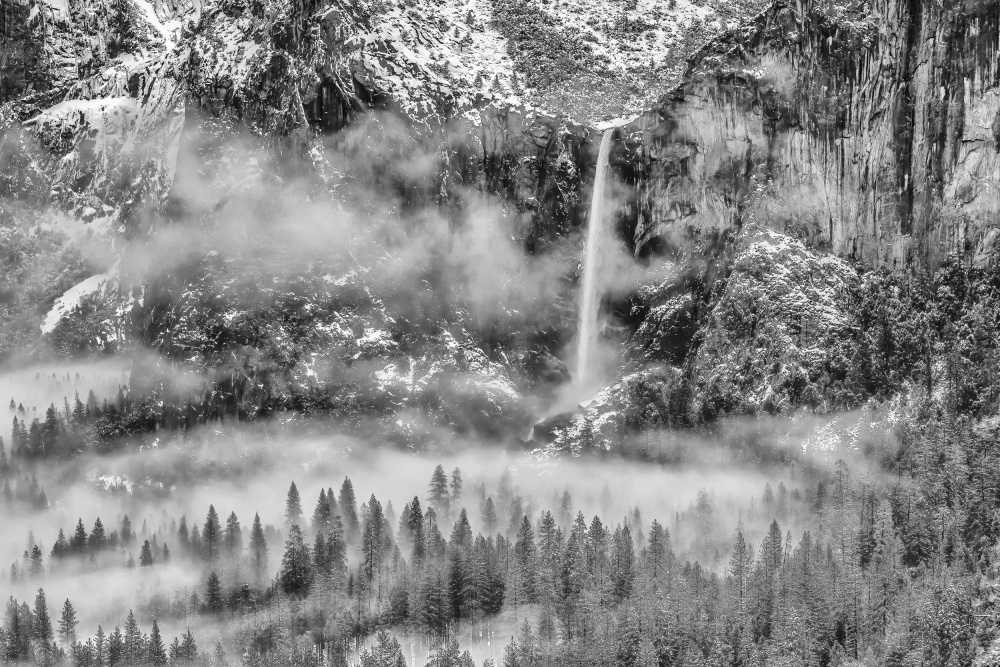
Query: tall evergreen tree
[(415, 524), (97, 540), (156, 656), (258, 547), (100, 648), (490, 516), (116, 648), (189, 649), (36, 569), (623, 564), (456, 487), (214, 602), (525, 562), (321, 515), (349, 510), (42, 625), (146, 555), (126, 532), (67, 623), (211, 536), (336, 560), (78, 543), (293, 507), (133, 650), (296, 564), (232, 540), (183, 537), (373, 542), (438, 497), (385, 652)]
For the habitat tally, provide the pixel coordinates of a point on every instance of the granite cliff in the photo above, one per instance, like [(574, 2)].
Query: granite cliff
[(761, 177)]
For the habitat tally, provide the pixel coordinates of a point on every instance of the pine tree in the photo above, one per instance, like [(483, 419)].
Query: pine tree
[(446, 654), (321, 556), (549, 552), (174, 652), (213, 594), (116, 648), (348, 510), (415, 525), (51, 430), (219, 656), (293, 507), (438, 497), (36, 569), (588, 443), (703, 516), (433, 603), (525, 562), (296, 564), (490, 516), (456, 487), (146, 555), (78, 543), (189, 649), (195, 541), (79, 411), (331, 500), (385, 652), (42, 625), (97, 540), (126, 532), (658, 550), (183, 537), (100, 648), (233, 538), (321, 515), (132, 648), (739, 567), (373, 542), (67, 623), (336, 559), (211, 536), (155, 654), (623, 564), (258, 547)]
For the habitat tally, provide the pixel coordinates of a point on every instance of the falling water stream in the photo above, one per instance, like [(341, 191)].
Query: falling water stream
[(589, 293)]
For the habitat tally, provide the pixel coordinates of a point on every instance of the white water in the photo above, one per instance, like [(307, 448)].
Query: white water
[(589, 293)]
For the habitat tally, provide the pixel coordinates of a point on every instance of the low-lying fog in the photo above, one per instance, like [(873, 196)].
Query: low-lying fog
[(248, 470)]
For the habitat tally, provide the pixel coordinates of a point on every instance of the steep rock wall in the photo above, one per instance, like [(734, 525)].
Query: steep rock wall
[(869, 129)]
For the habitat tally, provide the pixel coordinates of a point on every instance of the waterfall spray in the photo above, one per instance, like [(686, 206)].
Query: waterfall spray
[(589, 295)]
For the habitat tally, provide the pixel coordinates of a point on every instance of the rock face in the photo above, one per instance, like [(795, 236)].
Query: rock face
[(869, 129), (812, 140)]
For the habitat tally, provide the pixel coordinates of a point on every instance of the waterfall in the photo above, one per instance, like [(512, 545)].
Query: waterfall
[(589, 294)]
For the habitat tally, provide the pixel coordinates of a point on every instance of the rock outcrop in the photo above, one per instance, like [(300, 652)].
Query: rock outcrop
[(812, 140), (868, 129)]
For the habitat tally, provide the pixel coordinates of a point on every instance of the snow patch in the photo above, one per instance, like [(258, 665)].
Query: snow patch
[(74, 295)]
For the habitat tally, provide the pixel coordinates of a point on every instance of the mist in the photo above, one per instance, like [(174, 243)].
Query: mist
[(247, 469)]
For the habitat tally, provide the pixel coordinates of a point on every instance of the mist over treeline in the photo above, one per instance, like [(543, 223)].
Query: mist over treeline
[(260, 290), (288, 310), (284, 543), (316, 451)]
